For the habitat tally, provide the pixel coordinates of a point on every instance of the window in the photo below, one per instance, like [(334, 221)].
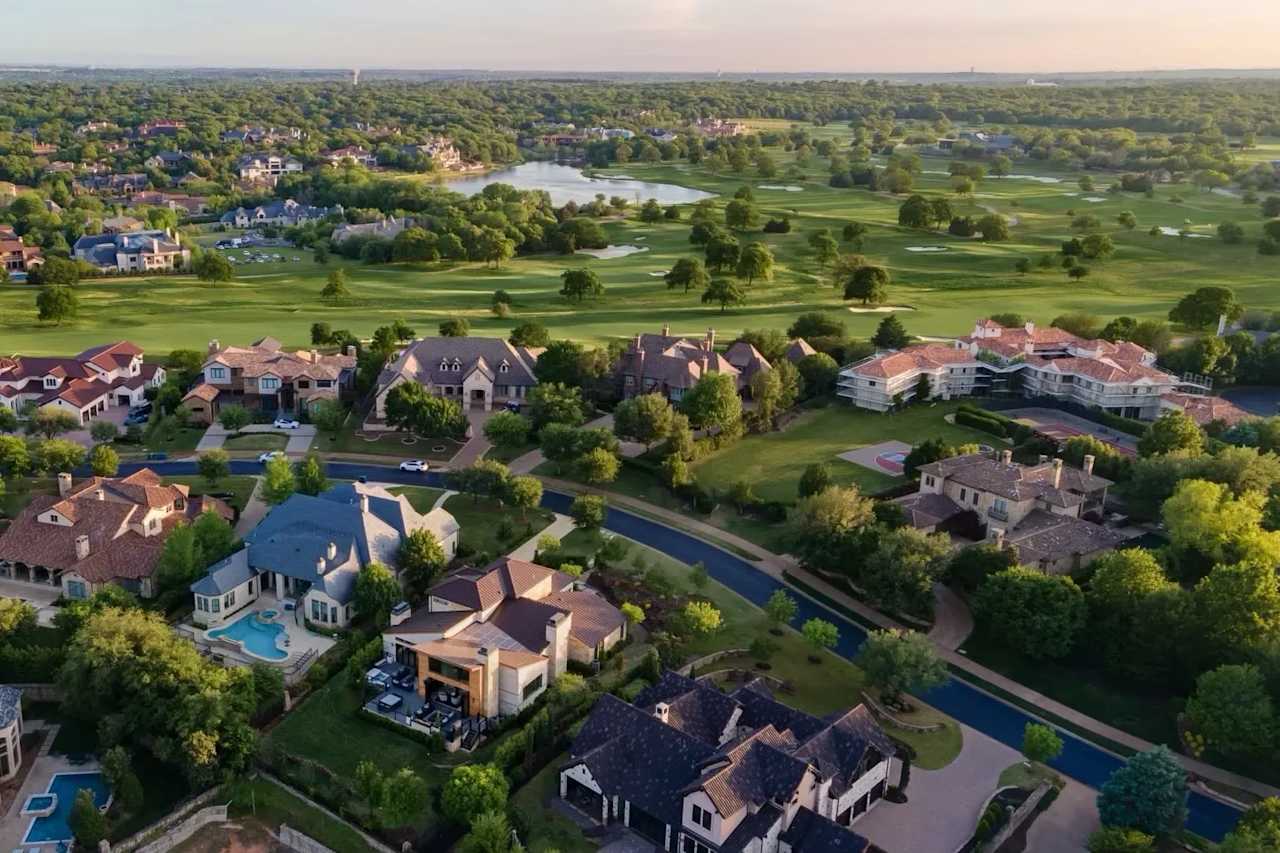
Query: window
[(975, 498), (319, 611), (215, 605), (269, 383), (964, 495), (531, 688), (217, 373), (229, 600), (448, 670), (303, 383), (504, 367), (75, 589), (50, 382), (928, 480), (701, 816), (201, 605), (691, 846), (324, 383)]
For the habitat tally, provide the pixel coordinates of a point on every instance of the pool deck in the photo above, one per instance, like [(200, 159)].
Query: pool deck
[(301, 641), (13, 826)]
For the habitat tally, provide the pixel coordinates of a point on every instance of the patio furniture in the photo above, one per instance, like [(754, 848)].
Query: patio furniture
[(389, 702)]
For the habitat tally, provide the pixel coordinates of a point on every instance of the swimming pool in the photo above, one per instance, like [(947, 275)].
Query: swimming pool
[(258, 638), (53, 826)]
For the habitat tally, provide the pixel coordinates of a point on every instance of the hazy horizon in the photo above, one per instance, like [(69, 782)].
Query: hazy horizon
[(661, 36)]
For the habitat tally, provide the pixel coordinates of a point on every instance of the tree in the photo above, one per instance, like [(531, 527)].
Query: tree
[(868, 283), (1077, 271), (900, 571), (530, 333), (525, 493), (1148, 793), (675, 471), (741, 214), (278, 481), (56, 302), (898, 662), (9, 422), (701, 617), (51, 420), (580, 283), (309, 474), (713, 403), (55, 455), (1230, 233), (722, 251), (213, 266), (87, 824), (54, 271), (1258, 831), (819, 372), (507, 430), (412, 408), (781, 608), (815, 479), (1172, 432), (1115, 839), (1040, 615), (404, 797), (555, 403), (420, 559), (490, 833), (473, 790), (1097, 247), (1232, 710), (825, 249), (890, 334), (103, 432), (1040, 743), (726, 292), (377, 591), (915, 212), (632, 612), (234, 417), (816, 324), (597, 467), (646, 418), (651, 211), (756, 261), (588, 511), (16, 616), (1201, 309), (454, 327), (328, 416), (994, 228), (689, 274), (104, 461), (336, 285), (494, 247), (821, 635)]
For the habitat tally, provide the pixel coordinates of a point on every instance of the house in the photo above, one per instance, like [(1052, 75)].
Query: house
[(1204, 408), (439, 149), (160, 127), (16, 257), (124, 185), (138, 251), (103, 530), (8, 192), (43, 149), (286, 212), (265, 377), (350, 154), (501, 635), (166, 160), (478, 373), (309, 550), (1043, 511), (85, 384), (661, 134), (267, 167), (1120, 378), (383, 229), (719, 127), (121, 224), (189, 205), (60, 167), (94, 126), (695, 770), (610, 133), (10, 732), (259, 135)]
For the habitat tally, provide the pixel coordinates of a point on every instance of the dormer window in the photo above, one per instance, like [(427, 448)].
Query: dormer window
[(504, 367), (50, 382), (444, 365), (701, 817), (457, 365)]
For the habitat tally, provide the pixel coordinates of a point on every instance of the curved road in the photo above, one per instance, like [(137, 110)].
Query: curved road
[(1080, 759)]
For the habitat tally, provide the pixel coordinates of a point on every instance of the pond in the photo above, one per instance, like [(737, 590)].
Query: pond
[(565, 184)]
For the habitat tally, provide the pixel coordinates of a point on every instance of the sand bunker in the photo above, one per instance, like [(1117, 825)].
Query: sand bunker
[(785, 188), (610, 252), (659, 273), (1177, 232), (1093, 199), (1039, 179), (879, 309), (926, 249)]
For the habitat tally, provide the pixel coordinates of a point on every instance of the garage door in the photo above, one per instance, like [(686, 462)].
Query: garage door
[(585, 799)]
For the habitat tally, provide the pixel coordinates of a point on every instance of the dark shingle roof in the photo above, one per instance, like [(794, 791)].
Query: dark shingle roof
[(811, 833)]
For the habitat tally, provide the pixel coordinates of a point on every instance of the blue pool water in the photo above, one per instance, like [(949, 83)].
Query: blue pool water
[(258, 638), (54, 827)]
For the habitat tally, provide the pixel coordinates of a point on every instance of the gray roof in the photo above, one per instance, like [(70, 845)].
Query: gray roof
[(1043, 535), (286, 208), (431, 361), (10, 703), (101, 249), (225, 575), (811, 833), (927, 509), (1015, 481), (395, 510)]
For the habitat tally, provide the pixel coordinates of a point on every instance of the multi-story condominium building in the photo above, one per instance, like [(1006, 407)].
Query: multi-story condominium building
[(137, 251), (86, 384), (694, 770), (267, 167), (1120, 378), (265, 377)]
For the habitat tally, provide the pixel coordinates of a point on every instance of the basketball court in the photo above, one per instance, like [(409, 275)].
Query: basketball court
[(883, 458)]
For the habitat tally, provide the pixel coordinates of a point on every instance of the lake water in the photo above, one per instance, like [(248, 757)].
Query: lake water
[(566, 184)]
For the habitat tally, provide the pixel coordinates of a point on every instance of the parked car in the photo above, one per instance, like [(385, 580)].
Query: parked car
[(285, 423), (136, 418), (512, 406), (269, 455), (414, 465)]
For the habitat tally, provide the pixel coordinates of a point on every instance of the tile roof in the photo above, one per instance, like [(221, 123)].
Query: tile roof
[(1015, 481), (927, 509), (525, 621), (847, 748), (505, 577), (1204, 409), (266, 357), (594, 618), (916, 357), (1043, 535), (754, 770), (677, 362), (429, 622), (422, 360)]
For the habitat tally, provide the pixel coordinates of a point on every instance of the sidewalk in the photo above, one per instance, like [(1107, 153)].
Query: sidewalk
[(775, 565), (952, 621), (254, 510), (561, 527)]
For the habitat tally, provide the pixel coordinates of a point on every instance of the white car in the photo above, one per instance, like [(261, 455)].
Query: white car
[(269, 455), (285, 423), (414, 465)]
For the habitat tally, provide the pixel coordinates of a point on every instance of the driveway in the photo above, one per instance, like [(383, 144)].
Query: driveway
[(477, 445), (38, 595), (1067, 825), (299, 439), (115, 415), (942, 808)]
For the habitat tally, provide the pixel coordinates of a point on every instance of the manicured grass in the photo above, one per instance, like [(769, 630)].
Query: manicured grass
[(483, 521), (1028, 775), (421, 498), (548, 830), (19, 491), (238, 486), (934, 750), (774, 462), (506, 455), (389, 444), (947, 290), (265, 801), (255, 441), (181, 440)]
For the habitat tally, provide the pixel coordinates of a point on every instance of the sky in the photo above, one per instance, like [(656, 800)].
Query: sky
[(1033, 36)]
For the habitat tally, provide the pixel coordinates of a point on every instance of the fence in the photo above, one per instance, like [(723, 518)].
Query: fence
[(688, 668), (883, 714), (175, 827), (39, 692), (1019, 817), (296, 841)]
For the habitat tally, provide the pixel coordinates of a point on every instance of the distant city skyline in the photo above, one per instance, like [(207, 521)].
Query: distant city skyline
[(735, 36)]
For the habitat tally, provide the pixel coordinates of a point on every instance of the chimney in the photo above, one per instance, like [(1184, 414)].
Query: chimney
[(998, 535), (711, 339), (319, 565), (214, 346), (400, 612), (1006, 456), (82, 547), (351, 350), (315, 355), (661, 711), (1088, 463), (332, 551), (1043, 459), (155, 245), (1030, 327), (64, 484), (364, 503), (636, 343), (99, 495), (1057, 472), (557, 636)]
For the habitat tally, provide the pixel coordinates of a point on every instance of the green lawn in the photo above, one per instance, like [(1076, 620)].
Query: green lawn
[(19, 491), (1027, 775), (272, 805), (240, 487), (255, 441), (548, 830), (180, 440), (389, 444), (422, 498), (485, 521), (773, 462), (945, 291)]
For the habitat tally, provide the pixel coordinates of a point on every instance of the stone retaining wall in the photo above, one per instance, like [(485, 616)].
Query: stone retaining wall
[(1019, 817), (39, 692), (884, 715), (688, 668), (175, 827)]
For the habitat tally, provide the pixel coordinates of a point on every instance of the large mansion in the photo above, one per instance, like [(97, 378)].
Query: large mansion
[(264, 377), (136, 251), (478, 373), (282, 212), (1120, 378), (695, 770), (501, 635), (86, 384), (100, 531), (16, 257)]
